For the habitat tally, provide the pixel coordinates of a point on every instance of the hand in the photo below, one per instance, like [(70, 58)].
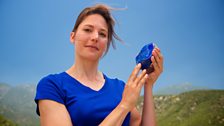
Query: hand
[(133, 87), (156, 68)]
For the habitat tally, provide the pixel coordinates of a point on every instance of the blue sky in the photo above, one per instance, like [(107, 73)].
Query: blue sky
[(34, 39)]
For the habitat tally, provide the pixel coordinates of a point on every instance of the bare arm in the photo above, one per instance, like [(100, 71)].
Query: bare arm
[(148, 114), (129, 99), (53, 114), (135, 118), (116, 117)]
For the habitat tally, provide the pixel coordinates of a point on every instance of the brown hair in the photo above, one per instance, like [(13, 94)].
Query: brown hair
[(104, 11)]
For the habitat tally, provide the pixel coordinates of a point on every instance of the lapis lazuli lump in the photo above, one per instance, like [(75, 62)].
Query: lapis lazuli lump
[(144, 56)]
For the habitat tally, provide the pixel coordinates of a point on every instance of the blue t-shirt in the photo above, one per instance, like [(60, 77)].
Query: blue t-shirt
[(86, 106)]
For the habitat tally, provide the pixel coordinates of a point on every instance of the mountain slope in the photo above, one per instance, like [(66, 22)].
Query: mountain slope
[(177, 89), (17, 105), (202, 107), (199, 107), (6, 122)]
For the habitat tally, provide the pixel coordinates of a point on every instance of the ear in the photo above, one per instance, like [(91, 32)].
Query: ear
[(72, 37)]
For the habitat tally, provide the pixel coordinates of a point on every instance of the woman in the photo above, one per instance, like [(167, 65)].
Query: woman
[(83, 95)]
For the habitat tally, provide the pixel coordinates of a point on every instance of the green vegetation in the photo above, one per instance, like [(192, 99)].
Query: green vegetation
[(6, 122), (17, 104), (178, 89), (192, 108), (202, 107)]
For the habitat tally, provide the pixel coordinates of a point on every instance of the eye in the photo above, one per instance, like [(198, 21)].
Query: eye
[(102, 34), (87, 30)]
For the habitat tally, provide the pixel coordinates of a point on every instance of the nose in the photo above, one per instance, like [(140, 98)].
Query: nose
[(94, 36)]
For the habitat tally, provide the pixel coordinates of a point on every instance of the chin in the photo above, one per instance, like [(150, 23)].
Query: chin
[(93, 57)]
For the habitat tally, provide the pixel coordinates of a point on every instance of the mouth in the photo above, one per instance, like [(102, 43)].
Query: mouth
[(91, 46)]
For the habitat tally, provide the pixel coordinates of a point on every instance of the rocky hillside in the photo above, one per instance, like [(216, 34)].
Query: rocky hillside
[(194, 108), (16, 104), (178, 89), (6, 122)]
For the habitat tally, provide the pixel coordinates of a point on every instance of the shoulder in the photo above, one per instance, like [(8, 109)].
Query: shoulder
[(49, 88), (115, 81), (51, 80)]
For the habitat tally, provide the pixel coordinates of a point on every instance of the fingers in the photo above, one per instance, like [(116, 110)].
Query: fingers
[(134, 73), (139, 78), (142, 82), (155, 65), (157, 60), (158, 56), (135, 79)]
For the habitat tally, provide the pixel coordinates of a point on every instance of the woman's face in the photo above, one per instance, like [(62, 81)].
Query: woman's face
[(91, 37)]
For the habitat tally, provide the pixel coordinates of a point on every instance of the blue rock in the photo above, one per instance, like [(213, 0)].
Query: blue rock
[(144, 56)]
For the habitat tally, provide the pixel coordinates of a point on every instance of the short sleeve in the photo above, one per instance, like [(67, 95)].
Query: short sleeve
[(48, 88)]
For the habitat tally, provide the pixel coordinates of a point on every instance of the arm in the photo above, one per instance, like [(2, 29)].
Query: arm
[(116, 117), (53, 114), (129, 98), (148, 114), (56, 114), (135, 118)]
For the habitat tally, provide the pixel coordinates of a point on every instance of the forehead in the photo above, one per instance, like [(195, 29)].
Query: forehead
[(95, 20)]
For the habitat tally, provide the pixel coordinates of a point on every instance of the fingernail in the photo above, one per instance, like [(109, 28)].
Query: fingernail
[(146, 75), (139, 64)]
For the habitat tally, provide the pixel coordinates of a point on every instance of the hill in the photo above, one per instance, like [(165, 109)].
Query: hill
[(6, 122), (177, 89), (192, 108), (199, 107), (16, 104)]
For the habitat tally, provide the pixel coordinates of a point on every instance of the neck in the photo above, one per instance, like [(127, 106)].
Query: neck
[(85, 69)]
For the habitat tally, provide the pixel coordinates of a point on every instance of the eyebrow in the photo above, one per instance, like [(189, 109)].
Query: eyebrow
[(102, 29)]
